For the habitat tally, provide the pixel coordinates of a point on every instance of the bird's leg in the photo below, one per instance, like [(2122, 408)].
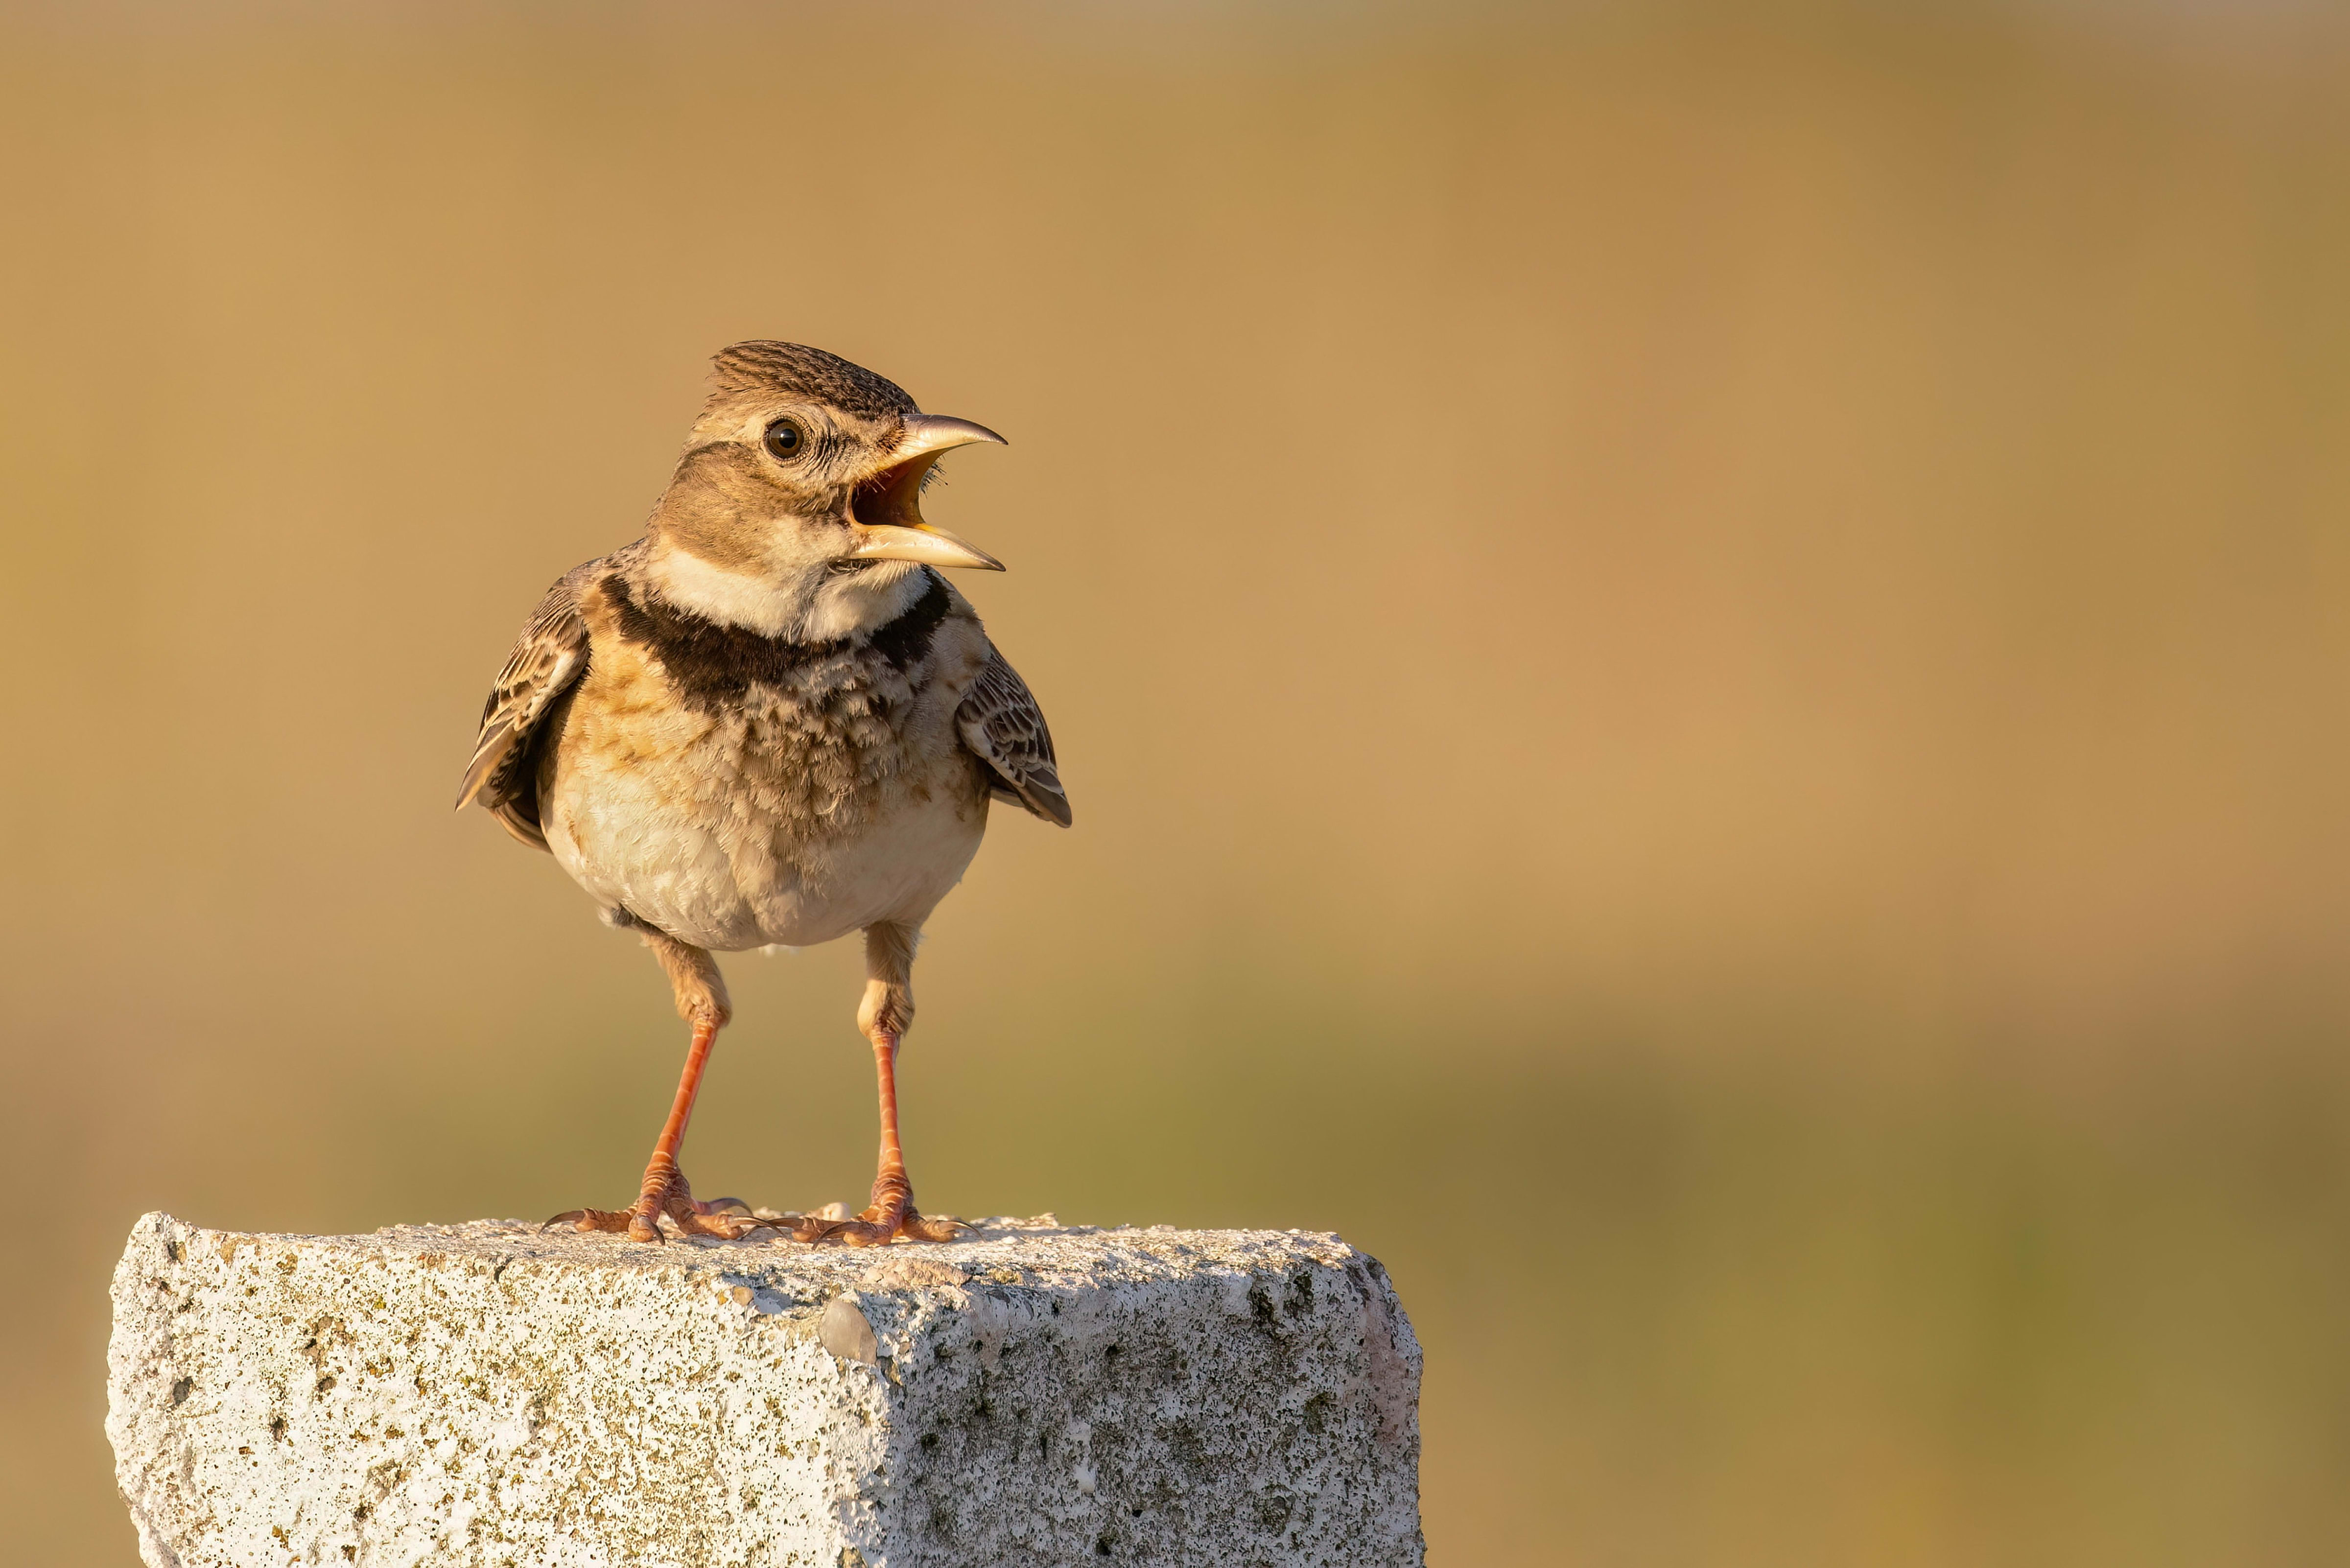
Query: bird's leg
[(701, 1002), (886, 1012)]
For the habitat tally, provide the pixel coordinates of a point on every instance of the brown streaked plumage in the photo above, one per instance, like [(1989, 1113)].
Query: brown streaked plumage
[(771, 721)]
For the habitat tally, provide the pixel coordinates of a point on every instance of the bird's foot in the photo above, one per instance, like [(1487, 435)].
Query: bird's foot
[(891, 1217), (666, 1192)]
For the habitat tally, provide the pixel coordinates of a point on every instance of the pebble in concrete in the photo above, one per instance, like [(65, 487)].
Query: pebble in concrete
[(481, 1394)]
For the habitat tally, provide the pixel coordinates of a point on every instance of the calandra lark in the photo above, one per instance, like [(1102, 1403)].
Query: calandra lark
[(771, 721)]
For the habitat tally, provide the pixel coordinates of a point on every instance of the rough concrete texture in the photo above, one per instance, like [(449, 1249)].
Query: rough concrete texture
[(1038, 1393)]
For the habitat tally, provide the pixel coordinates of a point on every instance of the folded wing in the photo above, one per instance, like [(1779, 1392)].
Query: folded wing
[(545, 665), (1000, 722)]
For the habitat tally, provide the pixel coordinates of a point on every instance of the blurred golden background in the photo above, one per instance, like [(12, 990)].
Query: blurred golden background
[(1701, 651)]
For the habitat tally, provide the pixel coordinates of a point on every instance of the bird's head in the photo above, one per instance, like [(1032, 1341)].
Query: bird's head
[(795, 509)]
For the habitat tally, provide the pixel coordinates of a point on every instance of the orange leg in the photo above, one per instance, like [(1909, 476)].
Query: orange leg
[(888, 1011), (701, 1002)]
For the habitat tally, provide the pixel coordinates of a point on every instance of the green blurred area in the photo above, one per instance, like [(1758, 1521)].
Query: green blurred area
[(1700, 651)]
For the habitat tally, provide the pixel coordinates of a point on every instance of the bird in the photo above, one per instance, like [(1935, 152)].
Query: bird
[(771, 721)]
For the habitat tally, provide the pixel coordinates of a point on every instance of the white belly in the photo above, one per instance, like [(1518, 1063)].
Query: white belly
[(725, 882)]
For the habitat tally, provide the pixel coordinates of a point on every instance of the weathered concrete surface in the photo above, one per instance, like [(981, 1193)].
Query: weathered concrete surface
[(482, 1394)]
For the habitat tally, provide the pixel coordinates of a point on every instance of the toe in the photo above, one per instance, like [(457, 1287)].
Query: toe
[(721, 1206), (727, 1228), (852, 1234), (728, 1219), (590, 1221), (931, 1228)]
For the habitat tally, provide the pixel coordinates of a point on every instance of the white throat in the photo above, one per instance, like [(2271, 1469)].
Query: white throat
[(812, 605)]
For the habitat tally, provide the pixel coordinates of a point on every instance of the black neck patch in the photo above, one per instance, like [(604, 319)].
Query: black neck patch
[(713, 664)]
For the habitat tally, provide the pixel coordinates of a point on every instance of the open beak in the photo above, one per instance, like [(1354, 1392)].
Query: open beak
[(886, 513)]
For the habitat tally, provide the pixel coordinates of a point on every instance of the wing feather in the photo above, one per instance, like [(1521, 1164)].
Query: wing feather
[(547, 660), (1000, 722)]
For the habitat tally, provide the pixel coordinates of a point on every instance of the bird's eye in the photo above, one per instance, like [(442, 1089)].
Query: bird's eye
[(786, 440)]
